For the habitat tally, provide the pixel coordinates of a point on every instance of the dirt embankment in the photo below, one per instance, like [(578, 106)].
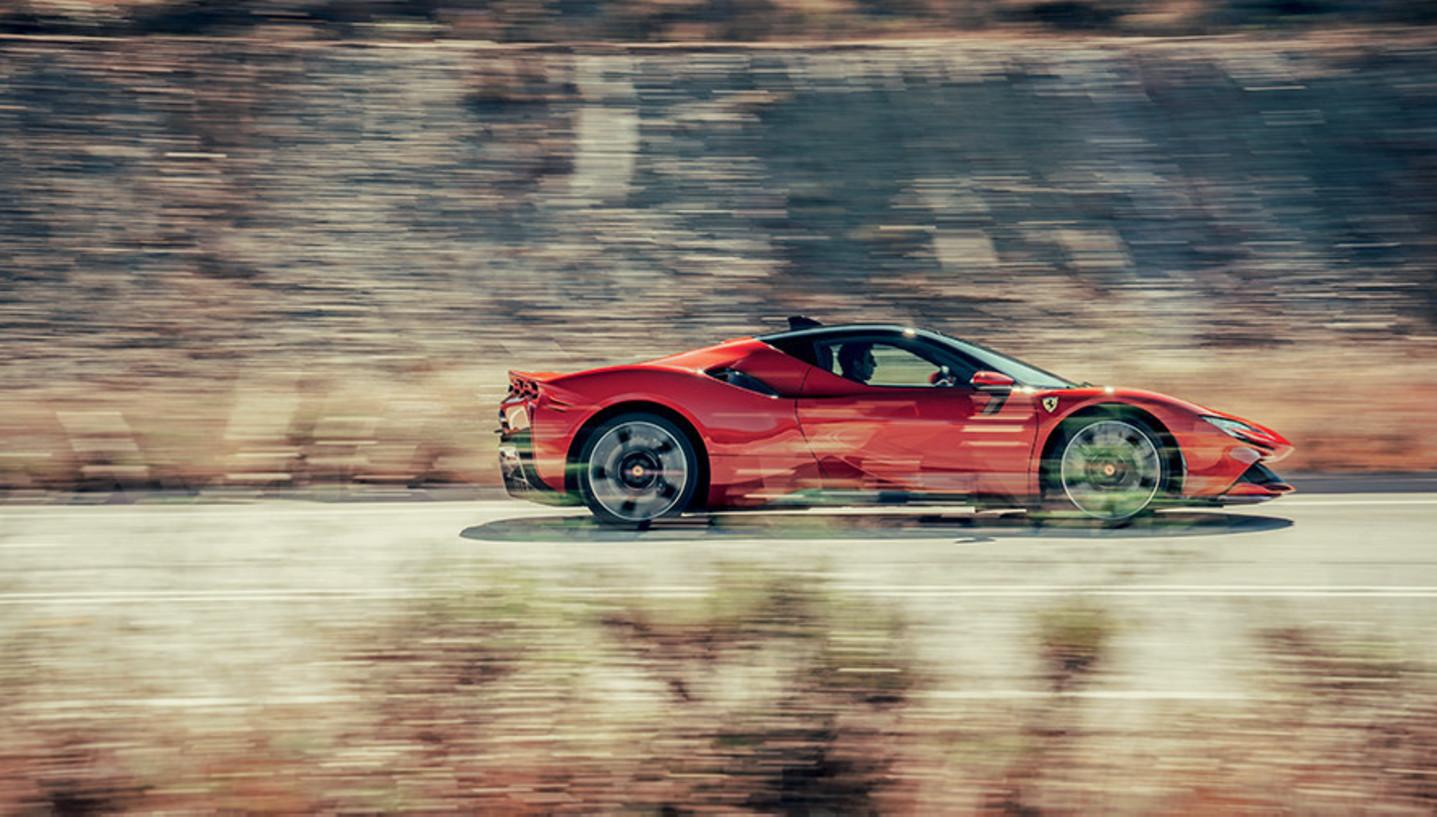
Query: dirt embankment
[(264, 262)]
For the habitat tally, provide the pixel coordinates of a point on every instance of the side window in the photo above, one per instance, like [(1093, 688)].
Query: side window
[(899, 367), (879, 364)]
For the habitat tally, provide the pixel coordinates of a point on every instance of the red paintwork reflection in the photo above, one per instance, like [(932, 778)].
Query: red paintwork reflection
[(825, 431), (933, 439)]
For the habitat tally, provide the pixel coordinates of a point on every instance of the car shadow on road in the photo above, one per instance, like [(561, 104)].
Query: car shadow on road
[(876, 525)]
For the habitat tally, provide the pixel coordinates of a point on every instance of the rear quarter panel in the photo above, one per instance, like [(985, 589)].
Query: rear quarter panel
[(754, 446)]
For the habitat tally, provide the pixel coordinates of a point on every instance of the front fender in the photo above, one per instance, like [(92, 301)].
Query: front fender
[(1213, 460)]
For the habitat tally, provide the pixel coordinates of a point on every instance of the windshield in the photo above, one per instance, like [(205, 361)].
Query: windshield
[(997, 361)]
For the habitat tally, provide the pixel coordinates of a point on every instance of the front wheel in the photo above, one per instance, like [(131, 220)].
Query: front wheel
[(1109, 469), (635, 468)]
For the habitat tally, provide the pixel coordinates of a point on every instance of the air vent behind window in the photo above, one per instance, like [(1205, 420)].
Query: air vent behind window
[(734, 377)]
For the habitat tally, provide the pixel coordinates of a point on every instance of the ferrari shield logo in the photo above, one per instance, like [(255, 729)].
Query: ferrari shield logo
[(1049, 404)]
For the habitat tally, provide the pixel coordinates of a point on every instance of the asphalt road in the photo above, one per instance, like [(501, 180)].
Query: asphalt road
[(234, 605)]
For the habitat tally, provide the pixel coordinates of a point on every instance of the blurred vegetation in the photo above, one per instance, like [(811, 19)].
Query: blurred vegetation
[(687, 20), (1362, 705), (758, 693), (1075, 639), (744, 691)]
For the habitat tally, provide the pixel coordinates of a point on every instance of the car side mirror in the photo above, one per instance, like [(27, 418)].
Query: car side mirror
[(991, 381)]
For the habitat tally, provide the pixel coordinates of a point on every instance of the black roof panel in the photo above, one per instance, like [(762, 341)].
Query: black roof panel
[(839, 329)]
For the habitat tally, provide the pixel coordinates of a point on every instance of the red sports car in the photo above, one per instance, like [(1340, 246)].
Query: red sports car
[(867, 413)]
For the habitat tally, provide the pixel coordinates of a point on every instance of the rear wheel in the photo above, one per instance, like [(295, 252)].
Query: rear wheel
[(1107, 468), (635, 468)]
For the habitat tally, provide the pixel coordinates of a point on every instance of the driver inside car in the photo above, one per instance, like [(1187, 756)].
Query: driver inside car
[(856, 361)]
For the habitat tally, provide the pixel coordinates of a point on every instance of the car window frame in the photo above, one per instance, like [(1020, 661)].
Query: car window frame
[(913, 344), (799, 345)]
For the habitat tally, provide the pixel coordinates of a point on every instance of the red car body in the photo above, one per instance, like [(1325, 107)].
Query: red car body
[(812, 432)]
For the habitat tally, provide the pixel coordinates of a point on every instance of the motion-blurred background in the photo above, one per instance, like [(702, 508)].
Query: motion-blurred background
[(286, 243), (292, 246)]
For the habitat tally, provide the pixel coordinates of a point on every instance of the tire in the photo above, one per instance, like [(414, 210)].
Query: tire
[(635, 468), (1106, 467)]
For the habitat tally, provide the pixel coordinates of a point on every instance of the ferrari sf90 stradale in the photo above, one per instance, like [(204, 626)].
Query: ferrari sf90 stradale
[(867, 413)]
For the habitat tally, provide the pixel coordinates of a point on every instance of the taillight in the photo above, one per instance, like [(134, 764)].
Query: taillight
[(522, 388)]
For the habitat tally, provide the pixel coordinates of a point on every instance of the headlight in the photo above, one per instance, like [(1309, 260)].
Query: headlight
[(1233, 428)]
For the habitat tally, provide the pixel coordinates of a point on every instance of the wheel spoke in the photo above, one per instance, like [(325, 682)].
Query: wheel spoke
[(637, 470), (1110, 469)]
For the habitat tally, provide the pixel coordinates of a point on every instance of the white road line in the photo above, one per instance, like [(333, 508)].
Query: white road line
[(200, 596), (183, 703), (1088, 694), (1143, 588), (267, 511), (1057, 588), (691, 591), (1175, 590), (1058, 591), (196, 702), (1249, 594), (975, 594), (1305, 502)]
